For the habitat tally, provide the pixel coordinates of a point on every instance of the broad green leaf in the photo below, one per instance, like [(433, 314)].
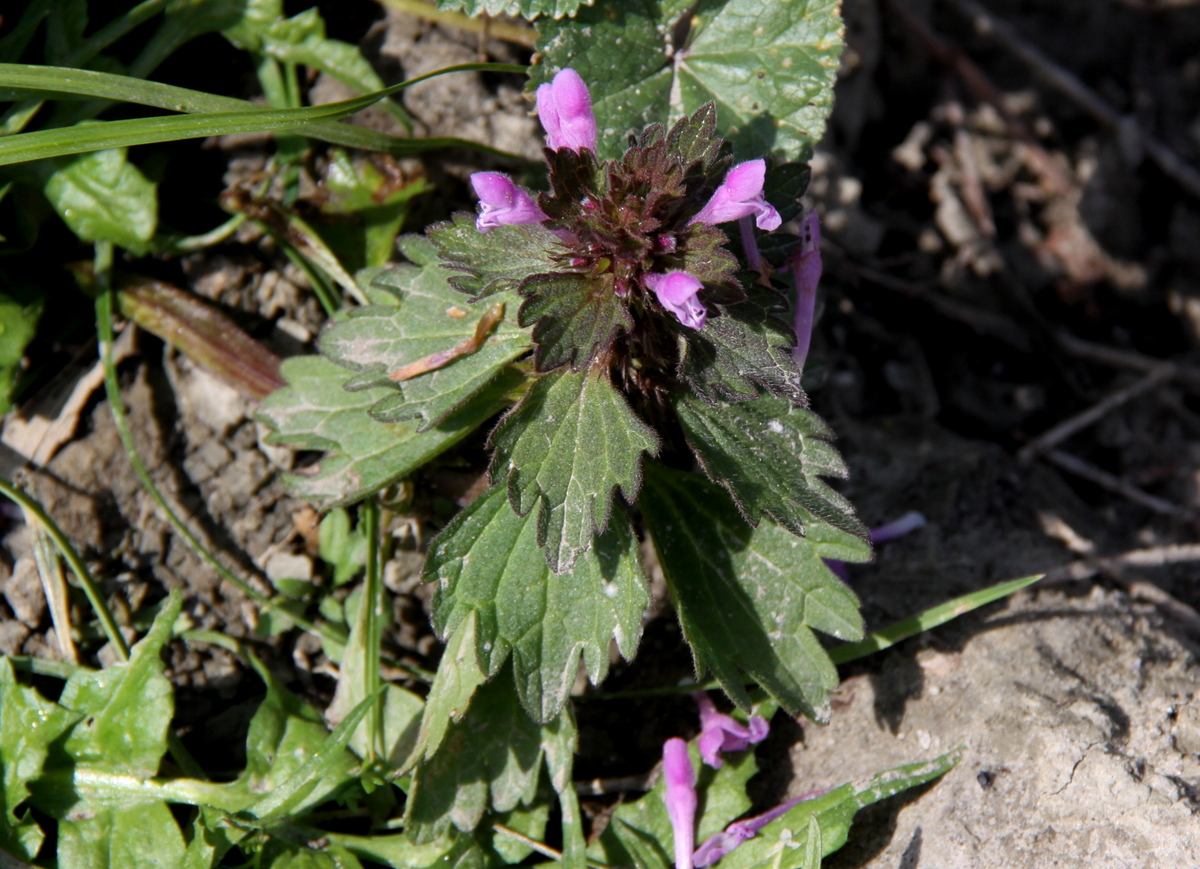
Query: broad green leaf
[(28, 726), (103, 197), (523, 8), (491, 758), (770, 67), (128, 707), (639, 833), (489, 569), (138, 833), (497, 261), (422, 328), (314, 412), (747, 344), (19, 314), (371, 206), (783, 843), (573, 316), (280, 854), (565, 449), (749, 599), (771, 456)]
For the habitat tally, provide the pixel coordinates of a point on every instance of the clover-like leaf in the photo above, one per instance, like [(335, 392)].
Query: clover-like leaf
[(748, 599), (523, 8), (747, 344), (489, 569), (315, 412), (566, 448), (573, 316), (770, 67), (431, 352), (782, 843), (495, 261), (771, 456)]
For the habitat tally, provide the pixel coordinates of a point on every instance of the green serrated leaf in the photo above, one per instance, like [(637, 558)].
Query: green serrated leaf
[(747, 346), (639, 833), (771, 456), (523, 8), (314, 412), (493, 578), (490, 759), (19, 315), (770, 67), (748, 599), (573, 316), (459, 675), (103, 197), (783, 843), (496, 261), (569, 444), (428, 325), (28, 726)]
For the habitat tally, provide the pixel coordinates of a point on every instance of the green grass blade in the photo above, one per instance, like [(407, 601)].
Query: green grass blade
[(220, 114), (927, 620)]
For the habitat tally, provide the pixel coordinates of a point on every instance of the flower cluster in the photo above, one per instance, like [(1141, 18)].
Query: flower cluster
[(633, 222)]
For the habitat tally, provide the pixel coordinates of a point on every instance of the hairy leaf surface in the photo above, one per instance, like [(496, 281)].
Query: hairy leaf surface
[(746, 346), (770, 67), (573, 317), (749, 599), (425, 325), (493, 577), (771, 456), (497, 261), (566, 448), (315, 412), (523, 8)]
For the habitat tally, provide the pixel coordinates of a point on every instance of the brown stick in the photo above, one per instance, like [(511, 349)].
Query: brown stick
[(1106, 480), (1095, 413), (1063, 81)]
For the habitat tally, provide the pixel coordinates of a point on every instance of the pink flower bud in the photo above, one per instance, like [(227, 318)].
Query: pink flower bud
[(720, 732), (503, 202), (806, 274), (680, 798), (740, 195), (676, 292), (565, 108)]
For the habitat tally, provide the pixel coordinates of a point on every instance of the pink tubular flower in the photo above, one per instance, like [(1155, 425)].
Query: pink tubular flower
[(680, 798), (718, 845), (720, 732), (676, 292), (740, 195), (909, 522), (806, 274), (503, 202), (565, 108)]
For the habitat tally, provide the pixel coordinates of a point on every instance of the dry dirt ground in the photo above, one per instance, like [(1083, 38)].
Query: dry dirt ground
[(1012, 242)]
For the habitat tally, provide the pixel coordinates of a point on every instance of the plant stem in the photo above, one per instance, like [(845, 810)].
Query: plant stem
[(34, 509), (373, 599)]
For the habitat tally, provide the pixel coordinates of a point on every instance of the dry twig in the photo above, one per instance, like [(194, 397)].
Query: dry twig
[(1105, 480)]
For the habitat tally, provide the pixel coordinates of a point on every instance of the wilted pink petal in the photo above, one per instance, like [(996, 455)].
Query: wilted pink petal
[(806, 274), (677, 292), (720, 732), (740, 195), (565, 108), (680, 798), (718, 845), (503, 202)]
